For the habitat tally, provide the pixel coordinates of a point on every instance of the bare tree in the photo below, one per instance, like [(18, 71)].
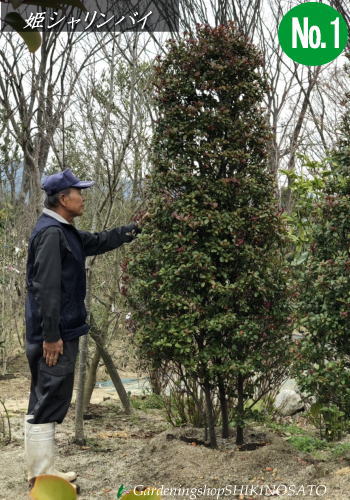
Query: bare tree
[(344, 8), (112, 135), (35, 92)]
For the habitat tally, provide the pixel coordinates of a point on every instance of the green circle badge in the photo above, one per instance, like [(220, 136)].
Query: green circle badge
[(313, 33)]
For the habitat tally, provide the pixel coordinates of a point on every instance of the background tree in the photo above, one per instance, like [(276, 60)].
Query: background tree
[(35, 94), (208, 281), (322, 363), (107, 144)]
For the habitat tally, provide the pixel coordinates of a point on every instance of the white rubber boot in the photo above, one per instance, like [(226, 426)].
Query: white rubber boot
[(39, 449)]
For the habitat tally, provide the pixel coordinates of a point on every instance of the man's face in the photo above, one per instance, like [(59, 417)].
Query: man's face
[(73, 202)]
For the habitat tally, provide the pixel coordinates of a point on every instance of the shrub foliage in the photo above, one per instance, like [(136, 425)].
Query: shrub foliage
[(322, 366), (207, 280)]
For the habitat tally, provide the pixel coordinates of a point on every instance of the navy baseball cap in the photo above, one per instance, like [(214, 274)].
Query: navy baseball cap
[(63, 180)]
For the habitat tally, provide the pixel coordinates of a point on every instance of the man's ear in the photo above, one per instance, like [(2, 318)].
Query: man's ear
[(62, 200)]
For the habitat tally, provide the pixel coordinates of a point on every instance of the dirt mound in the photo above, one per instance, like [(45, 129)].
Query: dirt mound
[(143, 449)]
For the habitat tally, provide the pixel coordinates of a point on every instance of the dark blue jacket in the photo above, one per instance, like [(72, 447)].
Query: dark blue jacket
[(56, 283)]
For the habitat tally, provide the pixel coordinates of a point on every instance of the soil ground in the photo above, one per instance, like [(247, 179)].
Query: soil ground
[(143, 449)]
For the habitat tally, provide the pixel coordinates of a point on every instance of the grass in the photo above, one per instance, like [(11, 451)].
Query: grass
[(147, 402), (304, 441)]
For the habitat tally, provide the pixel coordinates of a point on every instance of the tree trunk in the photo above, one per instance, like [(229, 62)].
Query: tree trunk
[(83, 356), (224, 410), (295, 137), (109, 364), (155, 378), (91, 378), (210, 414), (240, 410), (79, 422)]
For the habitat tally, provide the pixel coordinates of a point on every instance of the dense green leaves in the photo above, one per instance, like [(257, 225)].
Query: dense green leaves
[(322, 363), (208, 280)]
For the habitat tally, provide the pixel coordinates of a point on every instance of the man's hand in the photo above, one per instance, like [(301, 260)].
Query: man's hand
[(51, 351)]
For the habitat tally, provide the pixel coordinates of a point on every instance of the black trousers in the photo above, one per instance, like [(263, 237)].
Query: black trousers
[(51, 386)]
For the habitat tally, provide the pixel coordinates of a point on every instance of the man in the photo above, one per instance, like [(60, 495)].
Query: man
[(55, 311)]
